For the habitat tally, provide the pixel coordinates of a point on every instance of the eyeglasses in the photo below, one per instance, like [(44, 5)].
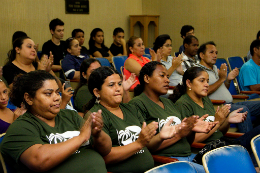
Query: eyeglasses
[(167, 45)]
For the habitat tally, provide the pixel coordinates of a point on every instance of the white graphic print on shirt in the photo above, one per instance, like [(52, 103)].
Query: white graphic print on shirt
[(176, 121)]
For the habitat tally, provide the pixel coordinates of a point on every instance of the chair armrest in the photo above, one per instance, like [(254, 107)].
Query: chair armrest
[(219, 102), (250, 92), (163, 159), (197, 145), (233, 134), (171, 87), (240, 96)]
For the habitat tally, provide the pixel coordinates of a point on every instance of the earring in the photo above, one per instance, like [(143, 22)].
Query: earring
[(190, 89), (97, 100)]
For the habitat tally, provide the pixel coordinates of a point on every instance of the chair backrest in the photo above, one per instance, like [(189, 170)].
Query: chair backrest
[(232, 158), (63, 76), (255, 145), (174, 167), (235, 61), (122, 70), (104, 62), (118, 62), (147, 51)]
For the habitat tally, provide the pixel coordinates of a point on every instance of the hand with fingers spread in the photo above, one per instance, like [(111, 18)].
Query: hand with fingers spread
[(222, 73), (168, 131), (85, 131), (187, 125), (45, 63), (202, 126), (156, 56), (147, 133), (97, 123), (236, 117), (222, 113), (233, 74), (19, 111), (129, 82), (177, 63), (66, 94)]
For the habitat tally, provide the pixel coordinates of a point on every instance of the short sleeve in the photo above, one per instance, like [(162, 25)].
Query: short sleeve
[(252, 80)]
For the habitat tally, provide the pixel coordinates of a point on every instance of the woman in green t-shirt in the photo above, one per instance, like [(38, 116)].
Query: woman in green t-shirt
[(123, 123), (47, 138)]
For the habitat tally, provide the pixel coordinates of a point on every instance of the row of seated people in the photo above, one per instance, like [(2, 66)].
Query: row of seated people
[(47, 138)]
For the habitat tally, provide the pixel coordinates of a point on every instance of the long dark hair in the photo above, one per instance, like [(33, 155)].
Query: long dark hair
[(160, 40), (96, 80), (147, 69), (17, 43), (191, 73), (91, 42), (83, 68), (28, 83)]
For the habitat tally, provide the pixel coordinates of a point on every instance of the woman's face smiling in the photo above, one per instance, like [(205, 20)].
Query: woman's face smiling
[(200, 85), (111, 92), (46, 103)]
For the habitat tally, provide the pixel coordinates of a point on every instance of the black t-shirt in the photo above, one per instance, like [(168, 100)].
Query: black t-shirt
[(84, 51), (58, 52), (103, 51), (115, 50), (10, 71)]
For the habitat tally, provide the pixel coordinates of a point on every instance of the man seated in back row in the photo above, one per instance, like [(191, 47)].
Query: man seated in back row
[(118, 47), (249, 76), (219, 82)]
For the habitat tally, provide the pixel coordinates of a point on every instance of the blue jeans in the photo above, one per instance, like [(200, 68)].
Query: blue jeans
[(253, 109), (199, 168)]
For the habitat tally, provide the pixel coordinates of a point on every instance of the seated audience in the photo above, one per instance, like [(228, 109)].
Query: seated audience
[(72, 61), (192, 99), (55, 45), (249, 76), (123, 123), (7, 117), (135, 60), (96, 44), (249, 54), (219, 82), (48, 139), (81, 94), (190, 58), (154, 82), (186, 30), (173, 64), (79, 35), (118, 47)]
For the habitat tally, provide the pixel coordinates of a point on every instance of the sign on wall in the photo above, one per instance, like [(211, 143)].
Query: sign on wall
[(77, 6)]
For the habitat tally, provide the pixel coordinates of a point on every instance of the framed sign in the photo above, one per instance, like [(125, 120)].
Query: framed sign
[(77, 6)]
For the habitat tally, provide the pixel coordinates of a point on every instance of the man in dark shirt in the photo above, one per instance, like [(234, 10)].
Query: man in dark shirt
[(79, 35), (55, 45), (118, 47)]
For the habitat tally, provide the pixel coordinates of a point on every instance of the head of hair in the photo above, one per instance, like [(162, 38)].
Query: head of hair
[(258, 35), (130, 43), (160, 40), (75, 31), (17, 35), (203, 48), (117, 30), (96, 80), (28, 83), (68, 43), (93, 33), (180, 89), (188, 40), (254, 44), (185, 29), (148, 70), (17, 43), (83, 68), (54, 23)]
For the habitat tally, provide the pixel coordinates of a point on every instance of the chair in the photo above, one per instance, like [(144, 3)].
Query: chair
[(147, 51), (147, 56), (39, 54), (122, 70), (174, 167), (232, 158), (118, 62), (104, 62), (255, 145)]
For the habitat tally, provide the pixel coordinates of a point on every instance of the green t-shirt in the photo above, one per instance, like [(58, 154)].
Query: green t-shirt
[(187, 107), (28, 130), (82, 97), (123, 132), (153, 112)]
